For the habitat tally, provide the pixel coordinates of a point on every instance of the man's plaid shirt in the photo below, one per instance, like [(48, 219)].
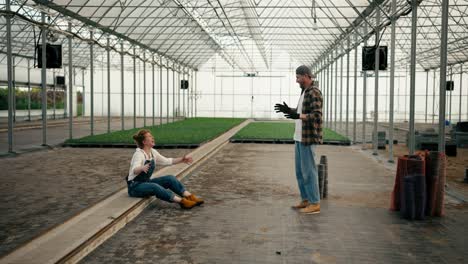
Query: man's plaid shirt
[(312, 107)]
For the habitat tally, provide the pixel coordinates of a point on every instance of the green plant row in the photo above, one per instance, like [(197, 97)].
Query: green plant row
[(188, 131), (281, 131)]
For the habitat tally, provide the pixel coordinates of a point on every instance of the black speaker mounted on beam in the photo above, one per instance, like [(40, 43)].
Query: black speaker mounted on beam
[(60, 80), (183, 84), (53, 56), (449, 86), (368, 58)]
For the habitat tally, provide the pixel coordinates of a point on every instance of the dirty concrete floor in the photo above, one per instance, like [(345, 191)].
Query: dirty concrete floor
[(42, 189), (247, 218)]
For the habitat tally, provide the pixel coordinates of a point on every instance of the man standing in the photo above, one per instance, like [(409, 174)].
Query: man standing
[(308, 133)]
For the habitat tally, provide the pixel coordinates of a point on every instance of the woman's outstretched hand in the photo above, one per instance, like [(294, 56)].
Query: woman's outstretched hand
[(187, 159)]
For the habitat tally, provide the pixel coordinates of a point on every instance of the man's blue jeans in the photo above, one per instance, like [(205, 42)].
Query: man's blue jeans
[(157, 187), (306, 172)]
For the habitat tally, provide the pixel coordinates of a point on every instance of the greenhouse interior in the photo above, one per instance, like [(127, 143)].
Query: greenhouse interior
[(269, 120)]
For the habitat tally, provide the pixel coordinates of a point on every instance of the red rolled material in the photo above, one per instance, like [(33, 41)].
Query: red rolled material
[(407, 165)]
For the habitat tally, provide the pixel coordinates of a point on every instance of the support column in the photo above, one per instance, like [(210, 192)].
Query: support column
[(355, 92), (167, 86), (196, 92), (134, 87), (44, 83), (427, 93), (160, 91), (348, 53), (328, 95), (461, 88), (183, 94), (53, 93), (108, 86), (341, 94), (392, 82), (144, 88), (433, 96), (443, 73), (179, 111), (122, 86), (376, 79), (70, 82), (153, 83), (29, 90), (173, 91), (83, 97), (10, 76), (364, 98), (450, 97), (91, 84), (335, 119)]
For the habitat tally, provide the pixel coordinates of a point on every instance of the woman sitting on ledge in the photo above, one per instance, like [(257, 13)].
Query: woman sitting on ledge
[(143, 162)]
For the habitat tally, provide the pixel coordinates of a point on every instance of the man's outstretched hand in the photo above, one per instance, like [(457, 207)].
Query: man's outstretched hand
[(284, 108), (292, 116)]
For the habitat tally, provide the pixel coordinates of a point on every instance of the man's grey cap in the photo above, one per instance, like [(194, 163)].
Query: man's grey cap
[(304, 70)]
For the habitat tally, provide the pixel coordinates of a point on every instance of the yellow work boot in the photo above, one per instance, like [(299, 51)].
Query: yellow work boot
[(301, 205), (193, 198), (187, 204), (311, 209)]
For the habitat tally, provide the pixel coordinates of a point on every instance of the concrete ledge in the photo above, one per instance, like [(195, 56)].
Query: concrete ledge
[(78, 236)]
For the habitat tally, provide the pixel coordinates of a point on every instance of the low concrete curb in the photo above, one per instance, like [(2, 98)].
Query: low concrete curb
[(78, 236)]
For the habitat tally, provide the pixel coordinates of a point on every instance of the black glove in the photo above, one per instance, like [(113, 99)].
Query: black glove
[(284, 108), (292, 115)]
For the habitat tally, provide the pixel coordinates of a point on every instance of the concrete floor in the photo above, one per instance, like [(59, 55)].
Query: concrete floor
[(247, 218)]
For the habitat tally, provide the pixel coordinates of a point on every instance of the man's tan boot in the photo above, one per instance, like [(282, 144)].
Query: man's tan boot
[(192, 197), (311, 209), (187, 204), (301, 205)]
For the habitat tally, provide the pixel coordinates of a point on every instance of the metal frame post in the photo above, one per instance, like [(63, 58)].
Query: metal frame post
[(330, 99), (173, 92), (433, 96), (134, 87), (53, 93), (392, 82), (84, 92), (29, 90), (461, 88), (153, 83), (335, 119), (427, 93), (108, 85), (10, 76), (196, 90), (348, 53), (167, 88), (70, 82), (44, 80), (160, 91), (443, 72), (341, 93), (144, 88), (355, 92), (450, 97), (91, 84), (376, 79), (122, 86), (364, 98)]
